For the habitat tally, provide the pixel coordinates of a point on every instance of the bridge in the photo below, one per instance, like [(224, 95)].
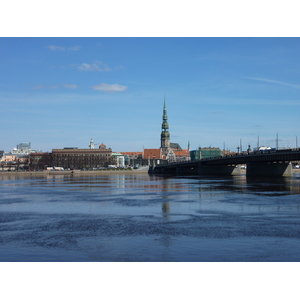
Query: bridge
[(271, 163)]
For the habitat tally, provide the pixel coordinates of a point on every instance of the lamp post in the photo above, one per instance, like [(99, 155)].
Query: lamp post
[(296, 141)]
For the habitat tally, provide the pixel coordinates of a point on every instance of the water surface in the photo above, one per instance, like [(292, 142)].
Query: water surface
[(137, 217)]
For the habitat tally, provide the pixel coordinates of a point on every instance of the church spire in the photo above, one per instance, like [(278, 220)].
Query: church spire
[(165, 135), (165, 124)]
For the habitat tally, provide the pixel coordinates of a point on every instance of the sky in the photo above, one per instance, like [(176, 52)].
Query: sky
[(61, 92)]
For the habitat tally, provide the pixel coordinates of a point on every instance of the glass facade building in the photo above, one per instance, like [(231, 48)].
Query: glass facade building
[(203, 153)]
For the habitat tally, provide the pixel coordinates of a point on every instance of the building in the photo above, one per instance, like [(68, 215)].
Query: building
[(136, 159), (182, 155), (24, 147), (119, 159), (165, 135), (40, 160), (17, 158), (206, 152), (132, 158), (13, 162), (152, 153), (74, 158), (171, 152)]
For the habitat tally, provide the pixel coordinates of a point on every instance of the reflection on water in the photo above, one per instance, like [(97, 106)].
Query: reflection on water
[(137, 217)]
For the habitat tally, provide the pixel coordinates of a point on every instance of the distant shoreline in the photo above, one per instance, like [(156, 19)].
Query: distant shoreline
[(80, 173), (75, 172)]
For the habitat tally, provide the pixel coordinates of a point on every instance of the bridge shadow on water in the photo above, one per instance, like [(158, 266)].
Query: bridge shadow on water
[(270, 186)]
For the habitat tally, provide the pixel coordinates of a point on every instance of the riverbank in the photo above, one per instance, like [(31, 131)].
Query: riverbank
[(4, 174), (74, 172)]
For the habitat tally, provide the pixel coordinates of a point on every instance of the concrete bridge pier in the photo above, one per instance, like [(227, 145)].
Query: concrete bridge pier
[(219, 170), (269, 169)]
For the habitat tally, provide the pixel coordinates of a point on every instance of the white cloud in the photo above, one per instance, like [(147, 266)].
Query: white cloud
[(276, 82), (110, 88), (55, 48), (74, 48), (70, 86), (96, 66)]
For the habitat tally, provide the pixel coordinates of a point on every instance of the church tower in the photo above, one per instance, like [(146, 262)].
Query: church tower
[(165, 135)]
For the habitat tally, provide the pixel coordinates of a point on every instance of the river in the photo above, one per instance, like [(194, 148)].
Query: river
[(141, 218)]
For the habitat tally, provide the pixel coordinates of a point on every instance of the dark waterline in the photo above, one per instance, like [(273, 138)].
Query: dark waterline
[(137, 217)]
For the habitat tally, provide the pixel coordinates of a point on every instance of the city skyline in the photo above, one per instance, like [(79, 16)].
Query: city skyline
[(61, 92)]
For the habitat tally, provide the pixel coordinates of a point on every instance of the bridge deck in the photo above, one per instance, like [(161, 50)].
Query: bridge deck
[(288, 155)]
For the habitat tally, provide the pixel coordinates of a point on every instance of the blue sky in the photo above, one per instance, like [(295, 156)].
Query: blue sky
[(61, 92)]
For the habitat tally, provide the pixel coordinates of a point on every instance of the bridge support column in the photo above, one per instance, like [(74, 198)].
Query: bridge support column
[(219, 170), (263, 169)]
